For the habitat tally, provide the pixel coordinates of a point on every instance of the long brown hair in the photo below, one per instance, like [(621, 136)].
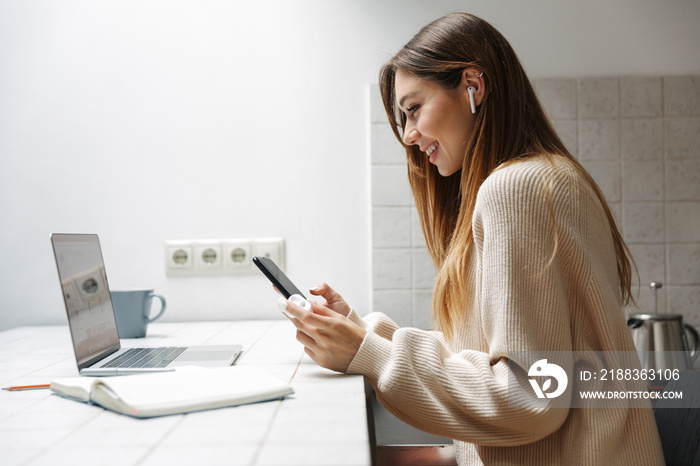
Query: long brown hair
[(510, 124)]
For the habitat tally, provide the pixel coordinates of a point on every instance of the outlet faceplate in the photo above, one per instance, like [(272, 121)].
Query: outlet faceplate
[(237, 255), (208, 256), (179, 256), (220, 256)]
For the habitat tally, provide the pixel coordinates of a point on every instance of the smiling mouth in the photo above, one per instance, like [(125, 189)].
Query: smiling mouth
[(430, 149)]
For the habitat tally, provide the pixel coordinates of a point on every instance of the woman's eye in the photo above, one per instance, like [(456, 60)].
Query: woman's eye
[(412, 110)]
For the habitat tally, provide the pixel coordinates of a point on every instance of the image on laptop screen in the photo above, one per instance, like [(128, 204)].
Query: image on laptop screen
[(86, 293)]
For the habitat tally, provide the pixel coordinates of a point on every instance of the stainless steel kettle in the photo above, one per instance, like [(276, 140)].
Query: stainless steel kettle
[(663, 340)]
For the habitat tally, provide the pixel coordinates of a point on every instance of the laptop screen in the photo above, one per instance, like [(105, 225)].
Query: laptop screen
[(86, 294)]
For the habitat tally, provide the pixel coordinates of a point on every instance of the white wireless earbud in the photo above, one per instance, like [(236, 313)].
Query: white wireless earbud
[(471, 90)]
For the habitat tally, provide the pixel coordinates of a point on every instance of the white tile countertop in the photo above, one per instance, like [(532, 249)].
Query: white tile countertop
[(323, 423)]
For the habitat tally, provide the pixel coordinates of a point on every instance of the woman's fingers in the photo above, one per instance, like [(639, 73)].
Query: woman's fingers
[(303, 331), (308, 322), (321, 290), (330, 339), (333, 299), (305, 339), (323, 311), (326, 292)]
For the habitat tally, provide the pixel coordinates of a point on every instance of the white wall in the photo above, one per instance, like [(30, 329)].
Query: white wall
[(151, 120)]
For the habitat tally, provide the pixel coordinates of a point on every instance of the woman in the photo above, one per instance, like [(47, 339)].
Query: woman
[(528, 260)]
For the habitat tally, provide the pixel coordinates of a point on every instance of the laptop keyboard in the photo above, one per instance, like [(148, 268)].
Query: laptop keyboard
[(146, 357)]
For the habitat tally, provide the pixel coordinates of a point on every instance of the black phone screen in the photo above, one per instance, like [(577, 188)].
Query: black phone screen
[(283, 284)]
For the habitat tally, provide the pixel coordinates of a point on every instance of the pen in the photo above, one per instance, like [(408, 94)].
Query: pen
[(27, 387)]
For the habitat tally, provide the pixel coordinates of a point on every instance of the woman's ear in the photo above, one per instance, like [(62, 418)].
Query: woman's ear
[(473, 84)]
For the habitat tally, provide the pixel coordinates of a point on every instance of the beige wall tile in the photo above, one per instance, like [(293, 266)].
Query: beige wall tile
[(643, 180), (607, 175), (684, 264), (640, 97), (391, 227), (568, 132), (423, 270), (682, 138), (641, 139), (417, 238), (391, 269), (644, 222), (384, 146), (681, 95), (558, 97), (683, 221), (598, 98), (683, 180), (651, 262), (397, 305), (390, 186), (599, 139), (685, 300), (422, 316)]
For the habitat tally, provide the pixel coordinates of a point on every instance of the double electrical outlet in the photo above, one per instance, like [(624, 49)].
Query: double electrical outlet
[(220, 256)]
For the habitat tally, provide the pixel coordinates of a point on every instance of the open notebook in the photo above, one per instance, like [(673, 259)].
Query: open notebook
[(185, 390)]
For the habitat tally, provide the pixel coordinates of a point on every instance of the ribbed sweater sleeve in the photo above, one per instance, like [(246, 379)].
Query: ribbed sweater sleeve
[(518, 302)]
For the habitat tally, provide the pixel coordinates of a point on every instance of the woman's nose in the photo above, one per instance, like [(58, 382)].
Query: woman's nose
[(410, 136)]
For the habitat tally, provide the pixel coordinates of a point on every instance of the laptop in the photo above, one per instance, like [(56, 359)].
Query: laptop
[(93, 327)]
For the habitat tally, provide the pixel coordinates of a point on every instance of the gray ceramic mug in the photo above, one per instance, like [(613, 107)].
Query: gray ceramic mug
[(132, 309)]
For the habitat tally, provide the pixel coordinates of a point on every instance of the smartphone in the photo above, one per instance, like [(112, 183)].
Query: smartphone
[(283, 284)]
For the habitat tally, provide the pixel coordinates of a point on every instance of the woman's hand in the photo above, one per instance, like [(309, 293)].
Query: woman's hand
[(330, 339), (333, 300)]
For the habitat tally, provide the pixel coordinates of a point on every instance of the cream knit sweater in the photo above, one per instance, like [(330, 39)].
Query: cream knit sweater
[(459, 389)]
